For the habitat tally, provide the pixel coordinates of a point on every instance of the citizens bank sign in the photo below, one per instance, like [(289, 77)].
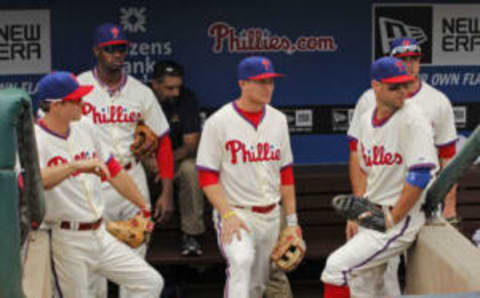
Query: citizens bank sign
[(25, 42)]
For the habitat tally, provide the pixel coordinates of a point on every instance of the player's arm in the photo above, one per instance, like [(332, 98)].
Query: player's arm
[(164, 204), (189, 147), (420, 157), (231, 223), (450, 202), (358, 179), (216, 196), (287, 190), (288, 199), (413, 187), (54, 175), (125, 186), (156, 120)]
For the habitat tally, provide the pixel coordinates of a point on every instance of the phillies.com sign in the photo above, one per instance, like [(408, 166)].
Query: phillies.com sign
[(251, 40)]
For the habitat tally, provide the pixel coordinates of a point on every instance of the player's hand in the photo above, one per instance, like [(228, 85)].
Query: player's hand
[(231, 227), (163, 208), (351, 229), (93, 166)]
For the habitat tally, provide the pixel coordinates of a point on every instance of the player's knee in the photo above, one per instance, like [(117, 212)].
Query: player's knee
[(156, 281), (333, 273), (241, 261)]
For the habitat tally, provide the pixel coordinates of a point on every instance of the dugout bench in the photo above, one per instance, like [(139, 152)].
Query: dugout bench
[(324, 231), (323, 228)]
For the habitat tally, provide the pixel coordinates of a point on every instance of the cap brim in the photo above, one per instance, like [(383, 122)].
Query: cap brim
[(267, 76), (399, 79), (112, 42), (79, 93)]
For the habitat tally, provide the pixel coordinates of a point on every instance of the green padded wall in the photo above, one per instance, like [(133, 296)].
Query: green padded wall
[(12, 103)]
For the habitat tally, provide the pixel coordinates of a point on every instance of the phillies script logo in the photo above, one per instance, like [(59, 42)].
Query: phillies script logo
[(264, 152), (112, 114), (261, 40), (58, 160), (377, 157)]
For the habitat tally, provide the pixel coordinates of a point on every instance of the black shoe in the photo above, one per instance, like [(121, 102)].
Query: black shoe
[(191, 246)]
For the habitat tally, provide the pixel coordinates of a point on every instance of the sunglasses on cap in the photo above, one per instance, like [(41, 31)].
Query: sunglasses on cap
[(64, 100), (121, 48), (415, 49)]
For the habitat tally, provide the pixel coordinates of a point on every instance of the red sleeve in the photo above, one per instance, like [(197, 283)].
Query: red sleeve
[(165, 157), (113, 166), (352, 144), (447, 151), (206, 178), (287, 175)]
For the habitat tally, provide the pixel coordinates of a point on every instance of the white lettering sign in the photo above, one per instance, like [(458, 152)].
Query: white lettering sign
[(25, 42)]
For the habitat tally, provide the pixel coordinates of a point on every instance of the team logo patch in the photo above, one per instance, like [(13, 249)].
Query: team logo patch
[(261, 152), (377, 156), (266, 63), (110, 114), (115, 32), (400, 66)]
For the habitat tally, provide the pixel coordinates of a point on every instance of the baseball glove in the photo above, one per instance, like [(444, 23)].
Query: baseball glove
[(133, 232), (290, 249), (363, 211), (145, 142)]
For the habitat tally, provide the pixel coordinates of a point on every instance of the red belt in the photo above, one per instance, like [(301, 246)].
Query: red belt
[(81, 226), (258, 209)]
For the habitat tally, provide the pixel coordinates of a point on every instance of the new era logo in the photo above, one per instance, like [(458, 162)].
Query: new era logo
[(391, 29), (394, 21)]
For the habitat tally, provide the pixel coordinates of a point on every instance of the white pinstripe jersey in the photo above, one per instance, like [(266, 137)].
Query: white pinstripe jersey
[(389, 150), (248, 159), (117, 115), (78, 197)]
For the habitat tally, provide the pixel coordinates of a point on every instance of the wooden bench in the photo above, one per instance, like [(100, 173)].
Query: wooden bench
[(323, 228)]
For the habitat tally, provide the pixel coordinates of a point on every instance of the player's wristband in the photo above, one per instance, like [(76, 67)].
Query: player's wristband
[(292, 220), (228, 214), (146, 212)]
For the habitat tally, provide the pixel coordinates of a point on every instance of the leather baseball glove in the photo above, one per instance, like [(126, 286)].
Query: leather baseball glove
[(133, 231), (363, 211), (290, 249), (145, 142)]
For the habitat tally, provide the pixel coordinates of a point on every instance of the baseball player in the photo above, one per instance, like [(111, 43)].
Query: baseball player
[(115, 106), (245, 168), (397, 154), (437, 109), (73, 166)]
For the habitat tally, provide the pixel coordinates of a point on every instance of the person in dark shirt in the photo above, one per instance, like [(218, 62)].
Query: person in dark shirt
[(181, 109)]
